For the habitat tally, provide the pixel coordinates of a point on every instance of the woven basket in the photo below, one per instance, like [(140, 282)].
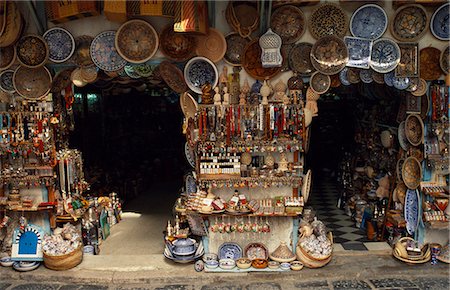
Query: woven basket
[(311, 261), (64, 262), (400, 253), (63, 11)]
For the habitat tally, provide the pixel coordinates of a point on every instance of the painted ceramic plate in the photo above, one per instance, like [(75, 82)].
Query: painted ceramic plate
[(353, 75), (328, 19), (77, 79), (378, 77), (188, 105), (320, 83), (440, 22), (230, 251), (32, 51), (199, 71), (409, 60), (136, 41), (191, 185), (89, 73), (409, 23), (82, 55), (389, 78), (61, 80), (6, 81), (190, 155), (329, 55), (61, 44), (359, 50), (400, 83), (7, 56), (412, 210), (366, 76), (300, 59), (212, 45), (402, 140), (444, 60), (343, 77), (235, 48), (414, 129), (32, 83), (146, 69), (369, 21), (251, 61), (429, 63), (385, 55), (289, 23), (104, 54), (25, 266), (177, 46), (421, 88), (411, 172), (129, 71), (256, 251), (173, 77)]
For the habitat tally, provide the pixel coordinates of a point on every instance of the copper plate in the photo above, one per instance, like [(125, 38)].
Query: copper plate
[(32, 51), (136, 41), (414, 129), (32, 83), (235, 48), (410, 23), (61, 80), (251, 62), (320, 83), (300, 59), (173, 77), (289, 23), (176, 46), (7, 56), (77, 79), (329, 55), (211, 45), (82, 56), (429, 63), (328, 19), (411, 172), (445, 60)]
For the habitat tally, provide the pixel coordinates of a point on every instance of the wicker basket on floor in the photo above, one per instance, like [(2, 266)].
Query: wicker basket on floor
[(64, 262), (311, 261)]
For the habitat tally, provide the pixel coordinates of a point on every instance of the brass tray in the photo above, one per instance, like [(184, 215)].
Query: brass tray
[(32, 83)]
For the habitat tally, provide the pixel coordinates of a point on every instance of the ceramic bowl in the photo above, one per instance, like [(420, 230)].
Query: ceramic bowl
[(260, 263), (285, 266), (6, 262), (296, 266), (274, 265), (209, 257), (211, 264), (227, 264), (243, 263), (88, 250)]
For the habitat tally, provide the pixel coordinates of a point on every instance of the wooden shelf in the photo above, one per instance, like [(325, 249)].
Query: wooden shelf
[(438, 225), (225, 214), (28, 209)]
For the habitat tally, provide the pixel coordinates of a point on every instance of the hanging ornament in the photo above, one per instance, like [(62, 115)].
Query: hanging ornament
[(270, 44), (22, 223)]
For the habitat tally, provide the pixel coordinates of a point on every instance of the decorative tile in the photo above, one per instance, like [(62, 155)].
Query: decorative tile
[(350, 285), (351, 236), (345, 223), (337, 247), (267, 286), (36, 286), (339, 240), (354, 246), (349, 230), (432, 283), (391, 283)]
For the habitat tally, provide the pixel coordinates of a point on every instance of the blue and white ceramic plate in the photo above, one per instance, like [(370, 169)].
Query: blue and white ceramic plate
[(359, 50), (412, 210), (410, 23), (6, 262), (104, 54), (6, 81), (190, 155), (25, 266), (183, 260), (199, 71), (230, 251), (385, 55), (130, 71), (389, 78), (400, 83), (191, 185), (61, 44), (343, 77), (369, 21), (440, 22), (366, 76)]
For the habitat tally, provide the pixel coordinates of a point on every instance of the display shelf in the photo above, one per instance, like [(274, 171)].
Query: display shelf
[(237, 178), (225, 214), (438, 225), (27, 209), (238, 270)]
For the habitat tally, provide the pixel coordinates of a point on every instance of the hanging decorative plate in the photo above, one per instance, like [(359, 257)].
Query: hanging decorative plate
[(191, 185), (235, 48), (129, 71), (359, 50), (173, 77), (77, 79), (32, 51), (378, 77), (329, 55), (211, 45), (409, 60), (81, 55), (412, 200), (177, 46), (320, 83), (136, 41), (353, 75), (145, 69), (289, 23), (243, 16), (429, 63), (389, 78), (328, 19), (399, 167), (402, 140), (343, 77), (414, 129), (286, 50), (11, 23), (190, 155), (199, 71), (440, 22), (89, 73), (413, 84), (256, 251), (61, 44), (300, 59), (409, 23), (385, 55), (7, 56), (32, 83), (369, 21), (306, 186), (61, 80), (251, 61), (335, 82), (104, 53), (400, 83), (6, 81), (444, 60), (411, 172), (366, 76), (230, 251), (188, 105)]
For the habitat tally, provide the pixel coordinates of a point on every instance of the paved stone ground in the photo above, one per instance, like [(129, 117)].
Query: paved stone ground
[(263, 283)]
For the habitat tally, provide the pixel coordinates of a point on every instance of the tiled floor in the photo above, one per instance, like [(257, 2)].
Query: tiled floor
[(324, 196)]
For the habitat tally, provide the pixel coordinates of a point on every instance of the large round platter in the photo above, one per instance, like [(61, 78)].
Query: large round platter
[(136, 41), (402, 140), (32, 83), (300, 59), (369, 21), (328, 19), (289, 23), (81, 55), (235, 48), (444, 60), (329, 55), (385, 55), (400, 83), (61, 44), (190, 155), (388, 78), (77, 79), (12, 23), (251, 61), (32, 51), (421, 88), (89, 73), (104, 54), (411, 172), (320, 83), (429, 63), (256, 251), (188, 105), (440, 22), (61, 80), (173, 77), (366, 76), (343, 77), (176, 46), (230, 251), (7, 56), (414, 129), (212, 45), (306, 186), (410, 23), (412, 201), (6, 81), (199, 71)]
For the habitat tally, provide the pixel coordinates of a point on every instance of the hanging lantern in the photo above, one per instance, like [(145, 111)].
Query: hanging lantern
[(270, 44)]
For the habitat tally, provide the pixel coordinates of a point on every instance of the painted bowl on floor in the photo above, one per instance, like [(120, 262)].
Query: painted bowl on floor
[(296, 266), (285, 266), (260, 263), (243, 263), (211, 264), (183, 247), (210, 257), (274, 265), (227, 264), (6, 262), (88, 250)]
